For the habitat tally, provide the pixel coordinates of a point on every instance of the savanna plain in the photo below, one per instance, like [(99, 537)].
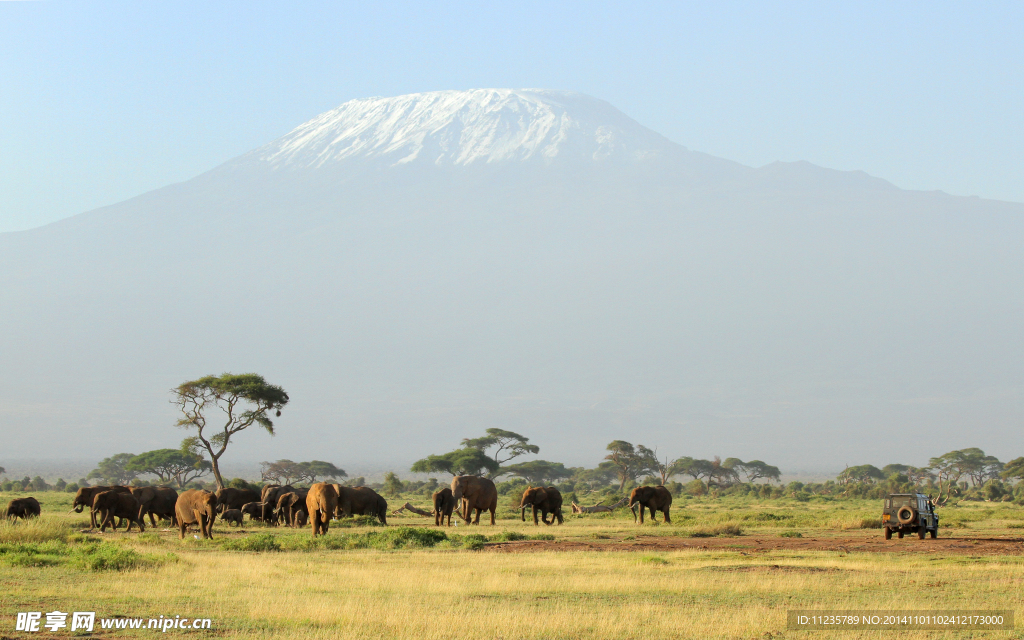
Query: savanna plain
[(724, 568)]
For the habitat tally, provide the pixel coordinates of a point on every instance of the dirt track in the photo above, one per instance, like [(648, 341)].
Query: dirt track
[(872, 542)]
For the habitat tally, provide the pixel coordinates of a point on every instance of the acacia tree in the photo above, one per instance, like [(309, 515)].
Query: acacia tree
[(180, 465), (536, 472), (113, 470), (243, 400), (1014, 469), (509, 445), (630, 462), (461, 462), (285, 471)]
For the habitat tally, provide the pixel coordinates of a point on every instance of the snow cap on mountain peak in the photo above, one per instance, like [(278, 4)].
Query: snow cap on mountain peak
[(467, 127)]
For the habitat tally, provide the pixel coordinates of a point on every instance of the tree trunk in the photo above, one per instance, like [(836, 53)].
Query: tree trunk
[(409, 507), (216, 471)]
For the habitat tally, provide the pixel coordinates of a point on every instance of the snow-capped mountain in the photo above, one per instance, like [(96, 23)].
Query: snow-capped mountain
[(422, 267), (467, 127)]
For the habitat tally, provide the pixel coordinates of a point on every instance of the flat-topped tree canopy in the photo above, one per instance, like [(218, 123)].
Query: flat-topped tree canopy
[(244, 399)]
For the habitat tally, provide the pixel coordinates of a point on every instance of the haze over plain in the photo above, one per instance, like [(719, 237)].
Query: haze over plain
[(416, 269)]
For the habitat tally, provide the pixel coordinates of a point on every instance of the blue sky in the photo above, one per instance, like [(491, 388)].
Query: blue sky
[(101, 101)]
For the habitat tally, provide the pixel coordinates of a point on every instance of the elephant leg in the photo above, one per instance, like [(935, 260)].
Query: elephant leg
[(642, 509), (181, 529), (535, 515), (667, 518), (492, 509)]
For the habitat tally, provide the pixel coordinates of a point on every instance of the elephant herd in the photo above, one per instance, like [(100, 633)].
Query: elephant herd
[(316, 505)]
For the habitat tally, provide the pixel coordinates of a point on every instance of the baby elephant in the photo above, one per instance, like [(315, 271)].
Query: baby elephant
[(263, 511), (232, 515)]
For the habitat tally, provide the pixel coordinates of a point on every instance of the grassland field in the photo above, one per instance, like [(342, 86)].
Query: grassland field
[(724, 568)]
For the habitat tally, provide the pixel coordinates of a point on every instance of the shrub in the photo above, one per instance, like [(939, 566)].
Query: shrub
[(508, 536), (791, 534), (258, 543), (474, 541), (728, 529)]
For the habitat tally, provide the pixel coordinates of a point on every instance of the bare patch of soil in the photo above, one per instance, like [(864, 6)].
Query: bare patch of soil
[(862, 542)]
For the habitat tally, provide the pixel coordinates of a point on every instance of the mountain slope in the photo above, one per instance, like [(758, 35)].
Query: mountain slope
[(420, 268)]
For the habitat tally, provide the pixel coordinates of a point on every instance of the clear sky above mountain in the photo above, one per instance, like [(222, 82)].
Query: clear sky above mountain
[(102, 101)]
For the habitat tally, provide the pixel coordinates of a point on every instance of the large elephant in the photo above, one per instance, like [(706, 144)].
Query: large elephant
[(361, 501), (653, 498), (84, 498), (23, 508), (444, 504), (114, 504), (262, 511), (476, 493), (162, 505), (232, 498), (290, 504), (155, 501), (544, 499), (197, 507), (272, 492), (321, 505)]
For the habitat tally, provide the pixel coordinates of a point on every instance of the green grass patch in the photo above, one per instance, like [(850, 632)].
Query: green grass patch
[(722, 530), (652, 560), (89, 555), (257, 543)]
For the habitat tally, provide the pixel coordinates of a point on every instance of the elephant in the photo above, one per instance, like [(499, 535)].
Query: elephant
[(23, 508), (300, 518), (546, 499), (444, 504), (321, 505), (232, 498), (653, 498), (476, 493), (361, 501), (162, 505), (272, 492), (232, 515), (289, 504), (197, 507), (114, 504), (84, 498), (262, 511), (155, 501)]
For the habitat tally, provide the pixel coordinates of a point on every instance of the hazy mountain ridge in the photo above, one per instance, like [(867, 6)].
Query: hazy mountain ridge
[(655, 294)]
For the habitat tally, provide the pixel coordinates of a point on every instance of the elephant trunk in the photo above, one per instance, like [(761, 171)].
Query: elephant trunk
[(522, 512)]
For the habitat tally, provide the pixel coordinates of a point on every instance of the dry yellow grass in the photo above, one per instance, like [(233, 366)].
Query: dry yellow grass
[(439, 595)]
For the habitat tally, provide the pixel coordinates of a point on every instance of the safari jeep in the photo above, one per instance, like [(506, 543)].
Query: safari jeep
[(909, 513)]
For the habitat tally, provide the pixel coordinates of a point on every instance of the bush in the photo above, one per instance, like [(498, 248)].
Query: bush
[(71, 488), (258, 543), (474, 541), (791, 534), (508, 536), (728, 529)]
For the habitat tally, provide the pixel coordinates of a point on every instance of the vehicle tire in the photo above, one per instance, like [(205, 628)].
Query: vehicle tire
[(935, 533), (888, 533), (920, 533), (906, 515), (899, 534)]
